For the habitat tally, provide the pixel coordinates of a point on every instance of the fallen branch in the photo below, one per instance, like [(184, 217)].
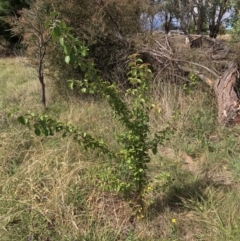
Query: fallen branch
[(203, 77), (224, 84), (200, 65)]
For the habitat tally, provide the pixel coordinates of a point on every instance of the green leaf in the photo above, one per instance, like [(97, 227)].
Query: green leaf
[(75, 49), (67, 49), (84, 90), (54, 38), (154, 150), (63, 25), (59, 127), (134, 72), (23, 120), (31, 114), (70, 84), (46, 131), (56, 31), (37, 132), (53, 14), (47, 23), (84, 52), (67, 59), (73, 57), (61, 40)]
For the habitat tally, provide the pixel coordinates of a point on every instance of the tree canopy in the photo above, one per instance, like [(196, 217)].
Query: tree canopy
[(9, 8)]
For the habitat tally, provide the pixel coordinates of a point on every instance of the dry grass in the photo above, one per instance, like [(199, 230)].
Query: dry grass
[(51, 189)]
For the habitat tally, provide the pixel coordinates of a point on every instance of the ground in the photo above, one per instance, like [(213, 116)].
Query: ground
[(51, 189)]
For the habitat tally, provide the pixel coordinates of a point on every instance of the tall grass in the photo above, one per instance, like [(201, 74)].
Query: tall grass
[(52, 189)]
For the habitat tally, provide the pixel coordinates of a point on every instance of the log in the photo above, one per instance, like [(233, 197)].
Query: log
[(227, 96), (225, 83)]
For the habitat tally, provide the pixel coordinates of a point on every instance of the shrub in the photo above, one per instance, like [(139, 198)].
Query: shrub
[(134, 141)]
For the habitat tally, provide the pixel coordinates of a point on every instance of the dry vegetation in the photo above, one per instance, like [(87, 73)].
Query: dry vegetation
[(51, 189)]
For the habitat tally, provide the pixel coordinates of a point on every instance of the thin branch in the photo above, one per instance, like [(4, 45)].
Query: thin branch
[(200, 65), (203, 77)]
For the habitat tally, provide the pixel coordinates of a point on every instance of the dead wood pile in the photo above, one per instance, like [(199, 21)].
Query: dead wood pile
[(209, 59)]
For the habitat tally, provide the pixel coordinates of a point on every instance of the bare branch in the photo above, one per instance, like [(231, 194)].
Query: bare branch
[(203, 77), (200, 65)]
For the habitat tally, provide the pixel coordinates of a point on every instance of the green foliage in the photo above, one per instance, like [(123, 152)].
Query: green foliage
[(134, 141), (236, 31), (43, 124), (188, 87), (4, 7)]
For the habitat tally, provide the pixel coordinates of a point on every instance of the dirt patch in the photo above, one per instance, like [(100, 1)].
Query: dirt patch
[(226, 37), (189, 164), (219, 174), (112, 211)]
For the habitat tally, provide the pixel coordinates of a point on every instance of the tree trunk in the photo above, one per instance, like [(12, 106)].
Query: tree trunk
[(227, 96), (167, 24), (214, 30)]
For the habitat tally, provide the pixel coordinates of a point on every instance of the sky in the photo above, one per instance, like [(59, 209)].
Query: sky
[(157, 23)]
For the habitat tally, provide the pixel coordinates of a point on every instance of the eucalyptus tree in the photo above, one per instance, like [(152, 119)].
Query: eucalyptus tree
[(199, 15), (216, 9), (164, 10), (151, 14), (203, 12), (169, 12), (184, 13)]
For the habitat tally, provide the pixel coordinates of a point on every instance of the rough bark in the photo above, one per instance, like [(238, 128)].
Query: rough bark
[(227, 96), (196, 43)]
